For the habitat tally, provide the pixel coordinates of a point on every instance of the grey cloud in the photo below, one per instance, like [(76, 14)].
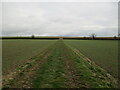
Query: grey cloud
[(60, 19)]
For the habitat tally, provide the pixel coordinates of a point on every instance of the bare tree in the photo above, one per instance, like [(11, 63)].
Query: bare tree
[(33, 36), (118, 34), (93, 35), (115, 37), (84, 37)]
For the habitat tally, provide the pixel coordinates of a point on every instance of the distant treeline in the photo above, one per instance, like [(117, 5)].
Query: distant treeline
[(77, 38), (95, 38)]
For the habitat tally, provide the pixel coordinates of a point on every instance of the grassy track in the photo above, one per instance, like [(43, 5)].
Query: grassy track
[(103, 52), (16, 52), (60, 66), (51, 74)]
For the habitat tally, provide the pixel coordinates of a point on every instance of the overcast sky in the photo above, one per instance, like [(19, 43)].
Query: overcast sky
[(59, 18)]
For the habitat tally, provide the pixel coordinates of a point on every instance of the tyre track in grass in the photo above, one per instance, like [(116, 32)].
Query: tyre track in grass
[(51, 73), (59, 71), (90, 74), (72, 78), (24, 74)]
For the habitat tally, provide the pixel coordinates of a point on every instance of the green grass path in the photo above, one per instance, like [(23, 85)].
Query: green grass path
[(51, 73)]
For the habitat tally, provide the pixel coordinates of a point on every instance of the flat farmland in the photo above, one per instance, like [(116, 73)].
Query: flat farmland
[(102, 52), (57, 66), (16, 52)]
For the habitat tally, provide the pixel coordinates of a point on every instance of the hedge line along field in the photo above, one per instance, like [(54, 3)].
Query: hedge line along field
[(59, 66), (16, 52), (102, 52)]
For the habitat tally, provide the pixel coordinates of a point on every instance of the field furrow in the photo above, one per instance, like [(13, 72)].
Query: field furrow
[(72, 79)]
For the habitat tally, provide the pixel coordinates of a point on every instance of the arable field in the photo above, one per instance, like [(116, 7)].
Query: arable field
[(52, 64), (102, 52), (15, 52)]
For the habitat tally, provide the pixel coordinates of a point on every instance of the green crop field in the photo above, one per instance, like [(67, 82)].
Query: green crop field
[(103, 52), (59, 63), (15, 52)]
